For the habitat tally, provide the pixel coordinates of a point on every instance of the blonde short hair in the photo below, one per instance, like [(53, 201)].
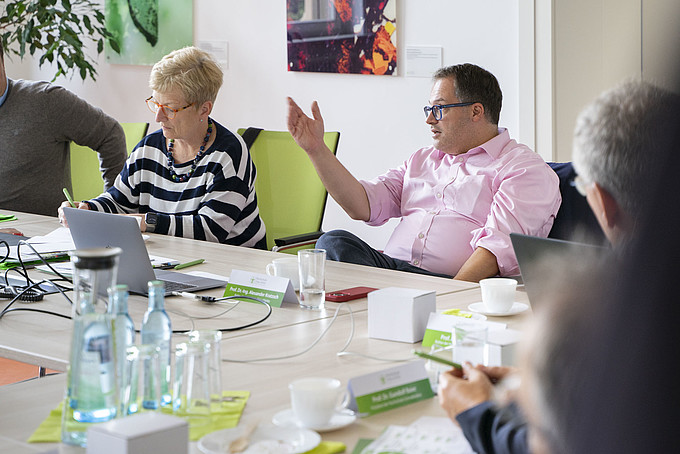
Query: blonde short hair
[(193, 71)]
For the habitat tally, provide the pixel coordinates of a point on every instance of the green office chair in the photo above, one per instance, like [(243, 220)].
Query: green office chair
[(290, 195), (86, 178)]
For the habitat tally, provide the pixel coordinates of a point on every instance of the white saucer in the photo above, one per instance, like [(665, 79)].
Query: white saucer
[(340, 419), (266, 439), (515, 309)]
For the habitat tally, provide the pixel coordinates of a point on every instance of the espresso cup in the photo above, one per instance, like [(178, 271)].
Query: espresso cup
[(316, 399), (285, 267), (498, 294)]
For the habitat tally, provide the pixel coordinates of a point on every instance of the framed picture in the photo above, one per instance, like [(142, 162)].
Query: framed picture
[(148, 29), (342, 36)]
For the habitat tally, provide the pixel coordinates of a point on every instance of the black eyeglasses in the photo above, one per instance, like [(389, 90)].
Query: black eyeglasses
[(437, 109)]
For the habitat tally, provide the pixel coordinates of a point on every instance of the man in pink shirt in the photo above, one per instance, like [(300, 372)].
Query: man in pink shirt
[(458, 200)]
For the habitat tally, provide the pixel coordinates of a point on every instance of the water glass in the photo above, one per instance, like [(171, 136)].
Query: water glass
[(312, 267), (211, 339), (191, 389), (141, 390), (469, 343)]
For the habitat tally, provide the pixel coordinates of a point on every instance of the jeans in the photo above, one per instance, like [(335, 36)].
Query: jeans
[(342, 246)]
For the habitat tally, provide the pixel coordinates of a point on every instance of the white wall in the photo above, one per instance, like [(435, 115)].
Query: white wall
[(380, 117)]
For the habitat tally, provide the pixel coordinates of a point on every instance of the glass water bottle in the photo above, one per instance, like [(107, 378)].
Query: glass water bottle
[(124, 337), (92, 390), (156, 330)]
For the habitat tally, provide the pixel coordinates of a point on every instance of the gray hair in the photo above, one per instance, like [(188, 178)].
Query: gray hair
[(553, 346), (615, 140)]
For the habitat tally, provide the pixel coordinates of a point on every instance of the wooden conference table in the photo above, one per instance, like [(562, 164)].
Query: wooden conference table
[(45, 340)]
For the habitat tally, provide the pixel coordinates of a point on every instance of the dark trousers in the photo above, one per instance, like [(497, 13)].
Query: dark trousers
[(343, 246)]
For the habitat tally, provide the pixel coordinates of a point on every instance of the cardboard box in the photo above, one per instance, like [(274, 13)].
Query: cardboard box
[(144, 433), (399, 314)]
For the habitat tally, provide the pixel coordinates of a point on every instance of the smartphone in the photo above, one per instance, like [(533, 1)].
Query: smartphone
[(437, 359), (348, 294)]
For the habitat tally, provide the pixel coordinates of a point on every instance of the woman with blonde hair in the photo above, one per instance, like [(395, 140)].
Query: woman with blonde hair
[(193, 177)]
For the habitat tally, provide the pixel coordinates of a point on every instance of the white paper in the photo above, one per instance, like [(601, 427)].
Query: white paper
[(428, 435), (423, 61)]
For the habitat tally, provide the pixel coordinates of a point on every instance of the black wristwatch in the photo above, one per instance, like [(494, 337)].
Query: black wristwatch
[(151, 219)]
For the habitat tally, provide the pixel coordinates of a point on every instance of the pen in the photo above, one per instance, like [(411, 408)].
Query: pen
[(68, 197), (437, 359), (188, 264)]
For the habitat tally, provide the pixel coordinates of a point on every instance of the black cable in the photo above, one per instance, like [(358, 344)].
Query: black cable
[(6, 244), (31, 286), (257, 322), (9, 308)]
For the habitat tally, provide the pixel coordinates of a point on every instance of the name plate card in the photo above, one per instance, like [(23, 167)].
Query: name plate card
[(390, 388), (440, 326), (275, 290)]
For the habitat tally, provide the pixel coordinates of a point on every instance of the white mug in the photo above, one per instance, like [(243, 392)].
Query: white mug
[(498, 294), (285, 267), (316, 399)]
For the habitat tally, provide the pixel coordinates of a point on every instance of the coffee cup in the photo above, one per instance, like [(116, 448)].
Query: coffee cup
[(285, 267), (316, 399), (498, 294)]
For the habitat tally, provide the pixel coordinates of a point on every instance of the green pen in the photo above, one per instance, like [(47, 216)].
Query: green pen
[(68, 197), (188, 264), (437, 359)]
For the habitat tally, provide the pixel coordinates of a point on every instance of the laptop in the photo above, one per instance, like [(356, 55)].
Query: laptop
[(93, 229), (535, 255)]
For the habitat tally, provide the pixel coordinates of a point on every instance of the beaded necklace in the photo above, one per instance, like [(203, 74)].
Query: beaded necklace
[(171, 161)]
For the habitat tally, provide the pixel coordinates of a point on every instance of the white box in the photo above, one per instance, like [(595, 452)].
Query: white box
[(140, 434), (399, 314), (503, 347)]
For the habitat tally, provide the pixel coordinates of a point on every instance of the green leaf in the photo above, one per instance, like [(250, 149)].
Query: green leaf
[(56, 31)]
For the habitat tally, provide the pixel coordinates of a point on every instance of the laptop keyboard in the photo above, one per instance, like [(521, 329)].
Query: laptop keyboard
[(172, 286)]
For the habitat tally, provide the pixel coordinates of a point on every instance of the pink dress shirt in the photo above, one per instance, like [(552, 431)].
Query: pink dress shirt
[(450, 205)]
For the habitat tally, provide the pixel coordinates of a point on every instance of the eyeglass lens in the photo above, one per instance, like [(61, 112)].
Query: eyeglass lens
[(436, 111), (155, 107)]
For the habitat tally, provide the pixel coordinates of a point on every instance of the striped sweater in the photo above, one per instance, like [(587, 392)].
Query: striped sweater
[(217, 203)]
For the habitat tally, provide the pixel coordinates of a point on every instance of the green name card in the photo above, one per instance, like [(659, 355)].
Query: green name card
[(391, 398), (273, 298), (272, 289), (391, 388)]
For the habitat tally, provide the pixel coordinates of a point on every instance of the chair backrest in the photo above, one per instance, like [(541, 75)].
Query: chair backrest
[(290, 195), (86, 178), (575, 220)]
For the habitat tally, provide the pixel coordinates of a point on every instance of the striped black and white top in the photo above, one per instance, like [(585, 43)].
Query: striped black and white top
[(217, 203)]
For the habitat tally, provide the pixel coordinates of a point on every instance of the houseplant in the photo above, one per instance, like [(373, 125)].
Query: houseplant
[(59, 31)]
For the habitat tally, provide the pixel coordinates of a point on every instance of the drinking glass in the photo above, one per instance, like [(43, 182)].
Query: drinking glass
[(211, 339), (312, 267), (469, 343), (191, 389)]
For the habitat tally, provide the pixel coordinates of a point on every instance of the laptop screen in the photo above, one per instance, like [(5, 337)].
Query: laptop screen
[(537, 258)]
